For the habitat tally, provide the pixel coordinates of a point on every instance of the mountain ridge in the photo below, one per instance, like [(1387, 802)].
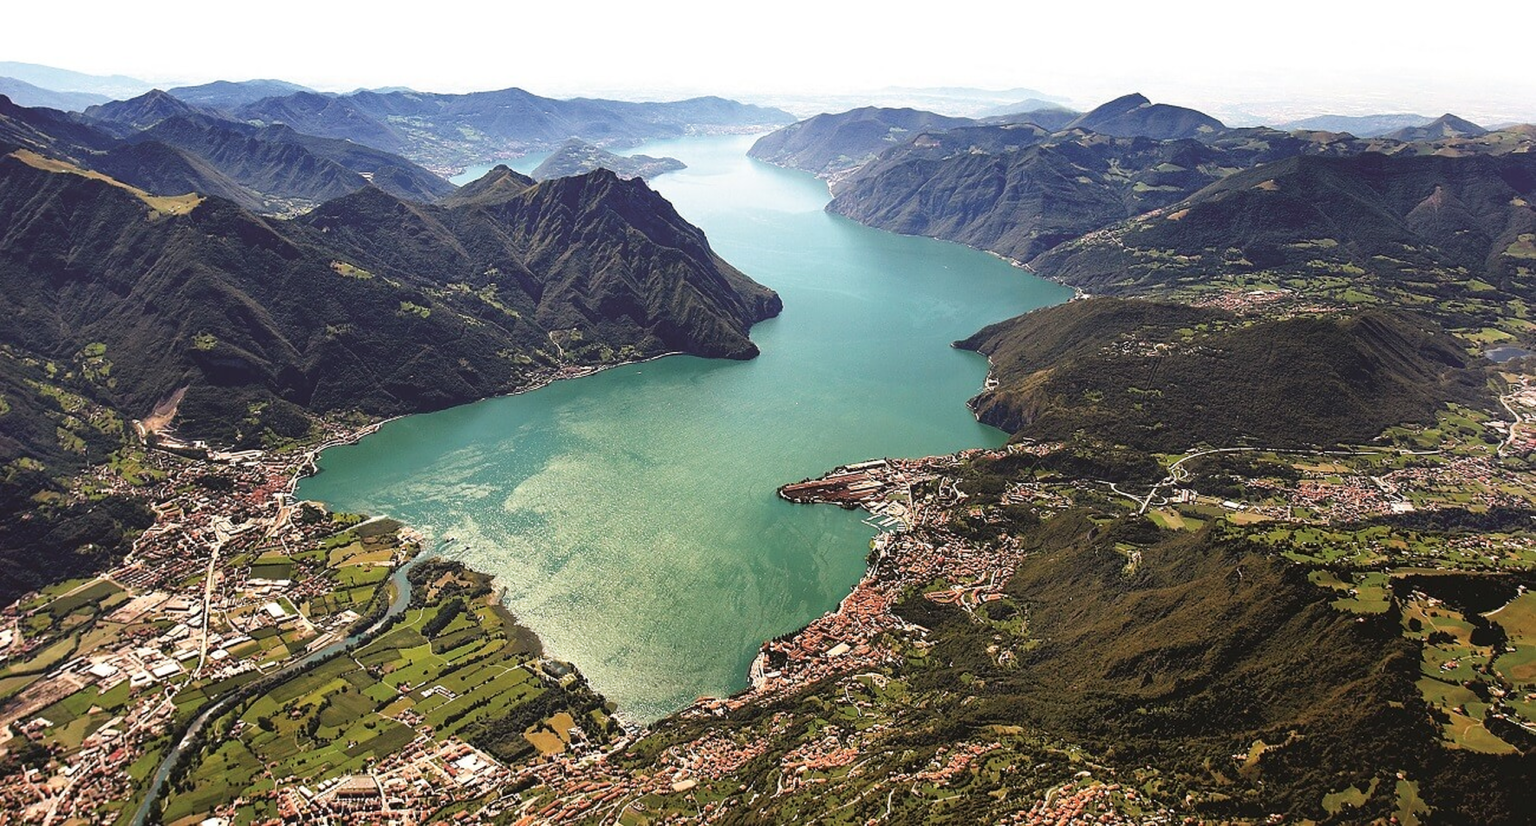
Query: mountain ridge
[(445, 131), (1133, 115)]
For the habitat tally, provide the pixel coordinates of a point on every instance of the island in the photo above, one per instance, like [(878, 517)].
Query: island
[(576, 157)]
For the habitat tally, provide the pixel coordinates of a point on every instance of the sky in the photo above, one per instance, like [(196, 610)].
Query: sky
[(1333, 56)]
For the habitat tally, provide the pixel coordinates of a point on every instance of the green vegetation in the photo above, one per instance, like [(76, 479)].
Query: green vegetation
[(456, 665), (1212, 677), (346, 270), (251, 318), (1078, 369)]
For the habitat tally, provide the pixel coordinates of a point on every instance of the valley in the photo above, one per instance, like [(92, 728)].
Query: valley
[(1182, 469)]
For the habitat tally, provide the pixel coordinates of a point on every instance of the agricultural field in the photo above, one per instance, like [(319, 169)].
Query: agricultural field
[(454, 670)]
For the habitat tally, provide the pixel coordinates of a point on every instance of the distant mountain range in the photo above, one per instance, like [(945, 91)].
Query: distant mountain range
[(1364, 126), (833, 145), (1019, 191), (26, 94), (65, 80), (224, 94), (451, 131), (1387, 220), (444, 132), (1025, 189)]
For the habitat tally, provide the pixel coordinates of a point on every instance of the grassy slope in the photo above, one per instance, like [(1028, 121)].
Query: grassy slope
[(1097, 366)]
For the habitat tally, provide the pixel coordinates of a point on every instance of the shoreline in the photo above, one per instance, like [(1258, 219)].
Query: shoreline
[(759, 686), (309, 465)]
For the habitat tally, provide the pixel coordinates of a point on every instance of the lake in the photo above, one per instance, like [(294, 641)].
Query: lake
[(631, 516)]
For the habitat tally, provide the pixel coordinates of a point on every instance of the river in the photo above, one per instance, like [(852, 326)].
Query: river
[(400, 599), (631, 515)]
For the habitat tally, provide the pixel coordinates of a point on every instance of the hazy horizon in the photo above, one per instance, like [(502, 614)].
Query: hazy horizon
[(1311, 59)]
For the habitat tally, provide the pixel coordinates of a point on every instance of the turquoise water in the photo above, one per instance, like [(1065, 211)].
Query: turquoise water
[(526, 164), (631, 515)]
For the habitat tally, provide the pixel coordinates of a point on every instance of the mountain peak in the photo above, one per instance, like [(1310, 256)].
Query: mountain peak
[(1441, 128), (1458, 123), (1133, 115), (226, 94), (499, 185), (144, 111), (1124, 103)]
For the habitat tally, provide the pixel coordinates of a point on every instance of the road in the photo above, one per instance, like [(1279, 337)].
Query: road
[(1177, 474), (1516, 421), (397, 605)]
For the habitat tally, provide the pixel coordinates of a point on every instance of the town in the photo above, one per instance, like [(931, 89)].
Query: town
[(237, 583)]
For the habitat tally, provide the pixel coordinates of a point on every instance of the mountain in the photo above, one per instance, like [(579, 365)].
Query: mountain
[(1365, 126), (496, 186), (224, 94), (1019, 191), (575, 157), (1050, 118), (113, 87), (317, 312), (1134, 116), (1441, 128), (1427, 223), (280, 164), (831, 146), (1062, 371), (963, 100), (449, 131), (49, 131), (25, 94), (164, 170), (154, 167), (1175, 662), (124, 117), (312, 113), (1028, 105), (267, 169), (120, 298)]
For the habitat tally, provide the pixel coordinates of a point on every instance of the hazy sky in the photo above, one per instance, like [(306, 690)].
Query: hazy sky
[(1472, 57)]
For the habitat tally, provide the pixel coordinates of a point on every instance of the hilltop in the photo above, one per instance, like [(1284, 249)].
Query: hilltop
[(496, 186), (224, 94), (1134, 115), (1445, 126), (1365, 126), (1149, 374)]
